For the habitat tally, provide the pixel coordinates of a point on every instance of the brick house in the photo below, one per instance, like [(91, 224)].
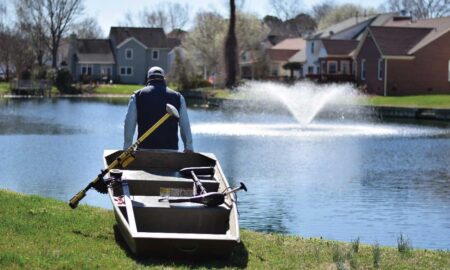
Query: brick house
[(405, 58), (329, 51)]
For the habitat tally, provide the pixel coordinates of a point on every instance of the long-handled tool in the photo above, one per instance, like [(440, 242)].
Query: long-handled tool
[(193, 172), (209, 199), (124, 159), (201, 195)]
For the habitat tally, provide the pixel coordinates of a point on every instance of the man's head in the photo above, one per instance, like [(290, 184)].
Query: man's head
[(155, 73)]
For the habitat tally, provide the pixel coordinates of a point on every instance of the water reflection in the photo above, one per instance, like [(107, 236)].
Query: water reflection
[(339, 178)]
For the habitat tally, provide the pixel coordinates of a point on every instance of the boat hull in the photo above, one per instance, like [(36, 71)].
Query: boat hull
[(153, 227)]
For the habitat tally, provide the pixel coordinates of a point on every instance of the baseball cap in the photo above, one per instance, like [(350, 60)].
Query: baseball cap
[(155, 71)]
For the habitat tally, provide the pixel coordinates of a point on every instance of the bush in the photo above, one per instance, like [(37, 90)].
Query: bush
[(64, 82)]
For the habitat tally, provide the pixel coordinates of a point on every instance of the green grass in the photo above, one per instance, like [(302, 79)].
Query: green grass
[(42, 233), (4, 88), (117, 89), (422, 101)]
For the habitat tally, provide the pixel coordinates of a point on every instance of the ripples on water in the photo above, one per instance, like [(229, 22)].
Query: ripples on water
[(338, 178)]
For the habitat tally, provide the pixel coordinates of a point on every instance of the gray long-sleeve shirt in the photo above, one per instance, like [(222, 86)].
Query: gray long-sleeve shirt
[(131, 122)]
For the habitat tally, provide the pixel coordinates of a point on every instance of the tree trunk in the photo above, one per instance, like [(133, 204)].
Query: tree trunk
[(231, 58)]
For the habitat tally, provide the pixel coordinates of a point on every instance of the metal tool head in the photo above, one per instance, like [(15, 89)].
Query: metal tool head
[(243, 187), (172, 110)]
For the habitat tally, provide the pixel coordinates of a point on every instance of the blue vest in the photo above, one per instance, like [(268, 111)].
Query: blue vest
[(151, 106)]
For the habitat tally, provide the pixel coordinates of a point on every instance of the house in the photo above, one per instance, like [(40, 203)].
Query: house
[(124, 57), (405, 58), (325, 48), (92, 59), (335, 60), (290, 50)]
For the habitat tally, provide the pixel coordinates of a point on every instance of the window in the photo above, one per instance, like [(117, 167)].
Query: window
[(128, 54), (318, 70), (105, 70), (332, 67), (345, 67), (312, 47), (363, 69), (86, 70), (274, 71), (310, 70), (155, 54), (126, 71), (380, 69)]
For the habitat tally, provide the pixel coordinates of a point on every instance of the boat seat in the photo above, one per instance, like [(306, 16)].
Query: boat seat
[(151, 215), (156, 183)]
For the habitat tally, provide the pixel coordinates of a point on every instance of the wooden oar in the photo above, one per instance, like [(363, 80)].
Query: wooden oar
[(125, 158)]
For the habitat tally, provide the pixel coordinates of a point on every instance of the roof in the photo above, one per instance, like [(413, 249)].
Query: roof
[(339, 46), (177, 33), (173, 42), (95, 51), (150, 37), (291, 44), (439, 25), (397, 41), (300, 57), (281, 55), (341, 26)]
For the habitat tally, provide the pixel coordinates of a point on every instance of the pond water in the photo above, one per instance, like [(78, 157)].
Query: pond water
[(336, 178)]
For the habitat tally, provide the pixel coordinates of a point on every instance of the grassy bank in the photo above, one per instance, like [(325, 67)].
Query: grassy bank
[(4, 88), (422, 101), (41, 233), (117, 89)]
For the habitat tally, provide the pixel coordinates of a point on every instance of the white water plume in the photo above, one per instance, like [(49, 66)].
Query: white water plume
[(304, 99)]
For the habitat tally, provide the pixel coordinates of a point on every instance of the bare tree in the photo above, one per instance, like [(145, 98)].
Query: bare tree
[(420, 9), (319, 11), (286, 9), (34, 33), (88, 28), (6, 44), (231, 50), (54, 17), (128, 20), (178, 15), (343, 12), (205, 41), (154, 18), (168, 16), (250, 31)]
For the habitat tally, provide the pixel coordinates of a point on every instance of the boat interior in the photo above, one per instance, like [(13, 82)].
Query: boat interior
[(153, 176)]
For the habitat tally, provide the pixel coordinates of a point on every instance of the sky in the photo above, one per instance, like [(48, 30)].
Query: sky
[(110, 12)]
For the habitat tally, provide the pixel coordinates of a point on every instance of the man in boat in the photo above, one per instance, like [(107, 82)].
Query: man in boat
[(147, 106)]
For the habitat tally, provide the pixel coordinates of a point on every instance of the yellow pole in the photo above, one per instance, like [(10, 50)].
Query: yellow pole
[(126, 157)]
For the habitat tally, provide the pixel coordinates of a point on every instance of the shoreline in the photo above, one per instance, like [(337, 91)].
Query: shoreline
[(381, 111), (87, 238)]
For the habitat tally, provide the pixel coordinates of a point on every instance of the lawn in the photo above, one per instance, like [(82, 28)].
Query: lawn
[(422, 101), (42, 233), (117, 89), (4, 88)]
